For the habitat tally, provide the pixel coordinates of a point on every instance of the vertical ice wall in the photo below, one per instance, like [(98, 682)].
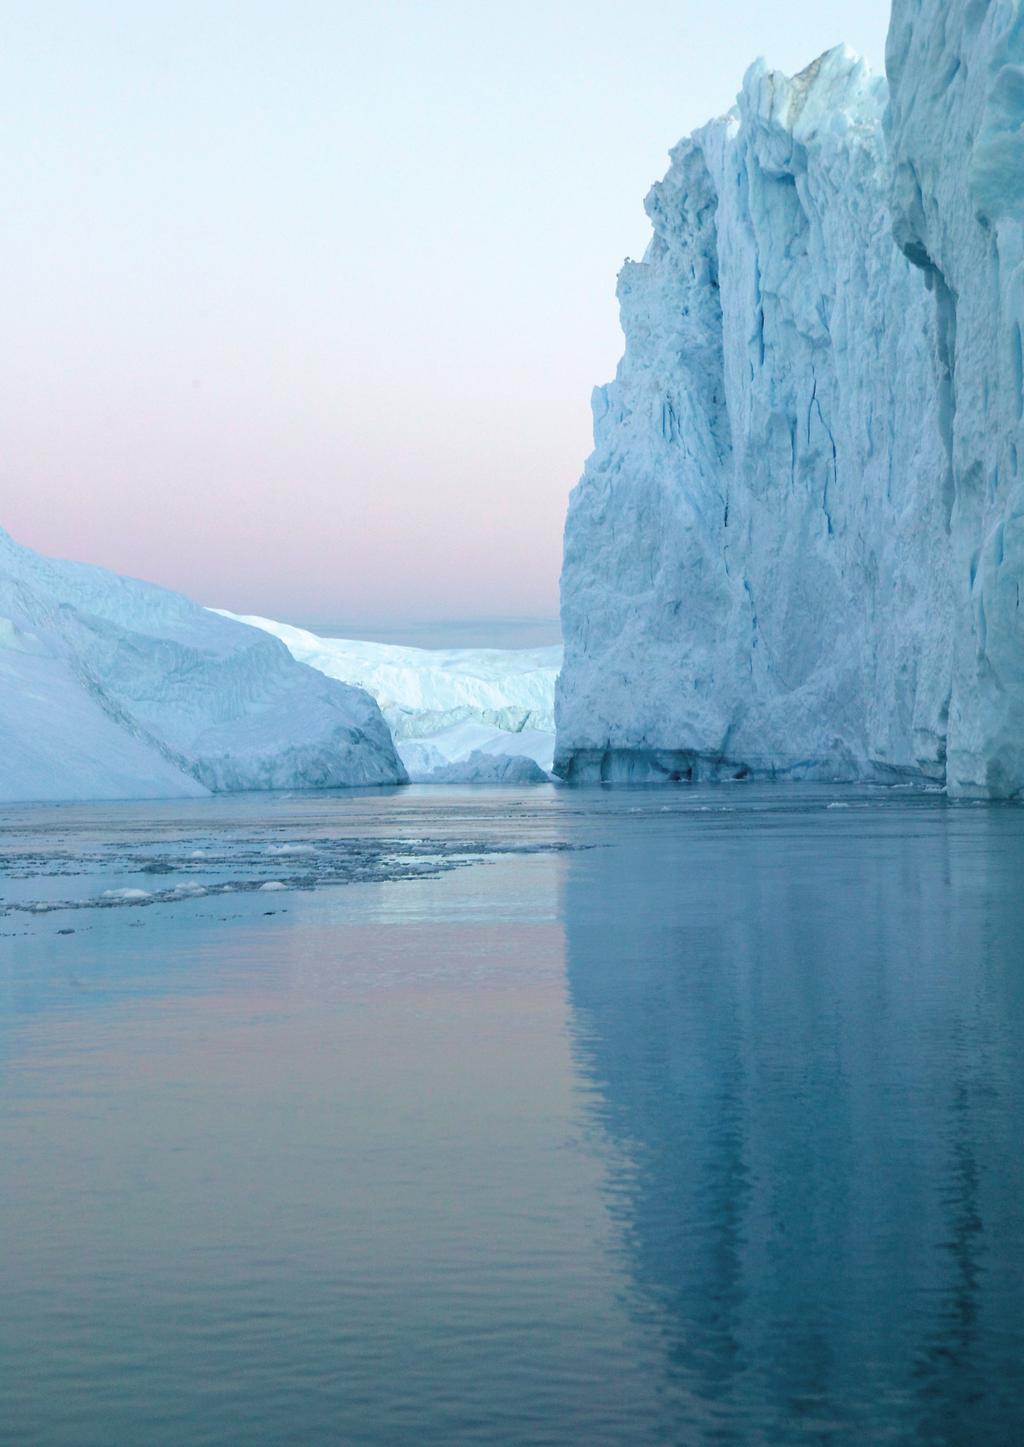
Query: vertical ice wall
[(793, 549), (955, 129)]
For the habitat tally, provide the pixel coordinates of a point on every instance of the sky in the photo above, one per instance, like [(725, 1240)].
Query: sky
[(304, 301)]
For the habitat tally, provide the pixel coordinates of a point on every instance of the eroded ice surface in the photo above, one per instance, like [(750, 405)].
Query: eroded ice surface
[(796, 549), (113, 688), (956, 138)]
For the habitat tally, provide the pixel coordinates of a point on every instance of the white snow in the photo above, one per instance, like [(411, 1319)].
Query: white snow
[(112, 688), (464, 715), (797, 547)]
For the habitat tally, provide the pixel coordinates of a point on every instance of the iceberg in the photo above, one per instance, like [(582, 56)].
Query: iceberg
[(474, 752), (461, 715), (796, 548), (112, 688), (955, 130), (489, 767)]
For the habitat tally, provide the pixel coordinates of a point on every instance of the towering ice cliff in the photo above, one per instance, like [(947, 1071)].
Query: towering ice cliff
[(956, 138), (110, 688), (780, 556)]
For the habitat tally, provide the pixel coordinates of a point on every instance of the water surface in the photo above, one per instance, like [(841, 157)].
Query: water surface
[(513, 1117)]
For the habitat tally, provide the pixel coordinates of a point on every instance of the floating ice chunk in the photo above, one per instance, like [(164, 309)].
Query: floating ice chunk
[(487, 768)]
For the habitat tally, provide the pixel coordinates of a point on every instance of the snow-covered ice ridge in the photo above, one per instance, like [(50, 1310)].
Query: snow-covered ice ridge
[(797, 547), (460, 715), (111, 688)]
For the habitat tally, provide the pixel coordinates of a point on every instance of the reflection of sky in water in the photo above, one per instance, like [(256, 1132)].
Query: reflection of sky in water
[(807, 1042), (707, 1133), (178, 871)]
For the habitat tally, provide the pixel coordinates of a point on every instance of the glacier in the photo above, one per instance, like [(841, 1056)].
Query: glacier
[(795, 550), (112, 688), (458, 715)]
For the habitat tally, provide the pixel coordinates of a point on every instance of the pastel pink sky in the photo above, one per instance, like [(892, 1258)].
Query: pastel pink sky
[(304, 303)]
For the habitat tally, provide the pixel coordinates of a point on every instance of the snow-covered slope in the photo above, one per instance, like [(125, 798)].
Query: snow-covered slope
[(111, 688), (758, 568), (463, 715), (956, 137)]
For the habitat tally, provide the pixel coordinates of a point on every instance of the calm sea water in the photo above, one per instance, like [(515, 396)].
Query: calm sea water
[(703, 1129)]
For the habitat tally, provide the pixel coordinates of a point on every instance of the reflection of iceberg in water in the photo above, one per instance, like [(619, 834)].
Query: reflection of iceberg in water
[(803, 1031)]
